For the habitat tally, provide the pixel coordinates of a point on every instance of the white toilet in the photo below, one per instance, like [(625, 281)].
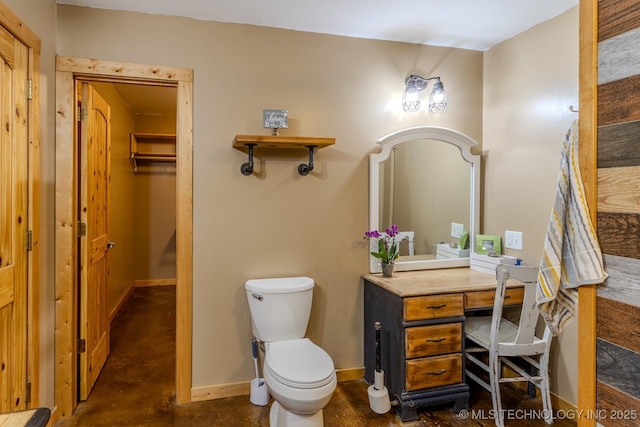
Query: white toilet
[(299, 375)]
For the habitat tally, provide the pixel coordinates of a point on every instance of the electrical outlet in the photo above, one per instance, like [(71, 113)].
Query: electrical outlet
[(456, 230), (513, 239)]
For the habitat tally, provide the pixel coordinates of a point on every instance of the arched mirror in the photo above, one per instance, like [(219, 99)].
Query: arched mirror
[(427, 182)]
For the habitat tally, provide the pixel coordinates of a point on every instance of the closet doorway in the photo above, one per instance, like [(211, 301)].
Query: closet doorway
[(129, 227), (178, 82)]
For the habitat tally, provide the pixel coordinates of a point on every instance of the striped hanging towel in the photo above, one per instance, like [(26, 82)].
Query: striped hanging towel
[(571, 255)]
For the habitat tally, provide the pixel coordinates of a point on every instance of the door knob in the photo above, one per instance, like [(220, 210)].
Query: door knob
[(110, 244)]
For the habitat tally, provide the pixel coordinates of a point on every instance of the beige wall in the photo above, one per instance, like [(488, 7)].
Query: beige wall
[(530, 81), (277, 223), (155, 207), (155, 223)]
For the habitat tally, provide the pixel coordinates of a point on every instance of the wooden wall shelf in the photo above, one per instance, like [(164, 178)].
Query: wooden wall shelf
[(249, 142), (277, 141)]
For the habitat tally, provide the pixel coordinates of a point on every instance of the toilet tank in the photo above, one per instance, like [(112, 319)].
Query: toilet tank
[(280, 307)]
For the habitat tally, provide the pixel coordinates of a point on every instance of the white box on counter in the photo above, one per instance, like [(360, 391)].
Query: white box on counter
[(444, 251), (487, 264)]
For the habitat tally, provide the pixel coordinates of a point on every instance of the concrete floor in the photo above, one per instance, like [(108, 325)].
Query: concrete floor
[(136, 386)]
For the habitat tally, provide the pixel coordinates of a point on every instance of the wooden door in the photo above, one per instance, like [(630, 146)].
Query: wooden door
[(94, 175), (13, 223)]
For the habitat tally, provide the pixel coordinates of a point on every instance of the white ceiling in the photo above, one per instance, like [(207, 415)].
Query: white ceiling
[(468, 24)]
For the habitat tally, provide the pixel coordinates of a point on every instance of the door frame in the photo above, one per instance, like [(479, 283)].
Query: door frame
[(68, 70), (588, 156), (18, 28)]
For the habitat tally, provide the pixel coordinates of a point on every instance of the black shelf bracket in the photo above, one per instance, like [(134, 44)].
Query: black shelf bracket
[(247, 168), (304, 168)]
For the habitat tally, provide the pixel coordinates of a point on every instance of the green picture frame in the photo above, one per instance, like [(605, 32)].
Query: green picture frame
[(486, 243), (464, 240)]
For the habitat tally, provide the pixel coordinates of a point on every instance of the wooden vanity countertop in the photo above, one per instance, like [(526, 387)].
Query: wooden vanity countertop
[(438, 281)]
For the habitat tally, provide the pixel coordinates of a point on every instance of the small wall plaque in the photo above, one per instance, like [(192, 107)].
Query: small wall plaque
[(275, 119)]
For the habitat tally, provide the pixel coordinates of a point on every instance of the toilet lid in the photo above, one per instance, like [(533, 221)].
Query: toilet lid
[(299, 363)]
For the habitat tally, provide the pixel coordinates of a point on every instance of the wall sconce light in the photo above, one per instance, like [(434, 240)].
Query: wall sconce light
[(411, 96)]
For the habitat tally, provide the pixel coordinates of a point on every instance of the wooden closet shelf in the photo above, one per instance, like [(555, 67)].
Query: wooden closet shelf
[(154, 157), (142, 136), (162, 148)]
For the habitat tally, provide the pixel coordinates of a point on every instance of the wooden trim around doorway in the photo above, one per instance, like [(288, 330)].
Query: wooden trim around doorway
[(587, 149), (68, 70)]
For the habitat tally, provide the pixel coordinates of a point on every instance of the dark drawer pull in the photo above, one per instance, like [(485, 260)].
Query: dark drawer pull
[(442, 371), (435, 339), (436, 306)]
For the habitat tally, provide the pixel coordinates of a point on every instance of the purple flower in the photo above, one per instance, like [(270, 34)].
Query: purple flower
[(393, 231), (373, 233), (387, 248)]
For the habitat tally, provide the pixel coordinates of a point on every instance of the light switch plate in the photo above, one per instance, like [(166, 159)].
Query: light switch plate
[(456, 230), (513, 239)]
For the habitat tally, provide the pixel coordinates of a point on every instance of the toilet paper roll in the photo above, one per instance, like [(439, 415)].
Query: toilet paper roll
[(379, 400), (378, 379)]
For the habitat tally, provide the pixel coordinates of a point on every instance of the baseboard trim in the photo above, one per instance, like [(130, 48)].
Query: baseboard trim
[(53, 419), (559, 403), (350, 374), (220, 391), (121, 302), (154, 282), (243, 388)]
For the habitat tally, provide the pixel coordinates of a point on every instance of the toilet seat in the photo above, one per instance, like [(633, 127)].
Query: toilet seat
[(299, 363)]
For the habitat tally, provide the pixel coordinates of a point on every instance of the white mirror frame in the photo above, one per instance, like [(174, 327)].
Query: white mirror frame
[(464, 143)]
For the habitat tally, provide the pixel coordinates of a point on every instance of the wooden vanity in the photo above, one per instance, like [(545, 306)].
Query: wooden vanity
[(422, 314)]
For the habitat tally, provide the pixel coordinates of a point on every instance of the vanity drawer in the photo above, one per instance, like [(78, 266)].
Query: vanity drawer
[(433, 371), (432, 340), (484, 299), (433, 307)]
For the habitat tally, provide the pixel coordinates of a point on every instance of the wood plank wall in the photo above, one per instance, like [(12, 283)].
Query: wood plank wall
[(618, 222)]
